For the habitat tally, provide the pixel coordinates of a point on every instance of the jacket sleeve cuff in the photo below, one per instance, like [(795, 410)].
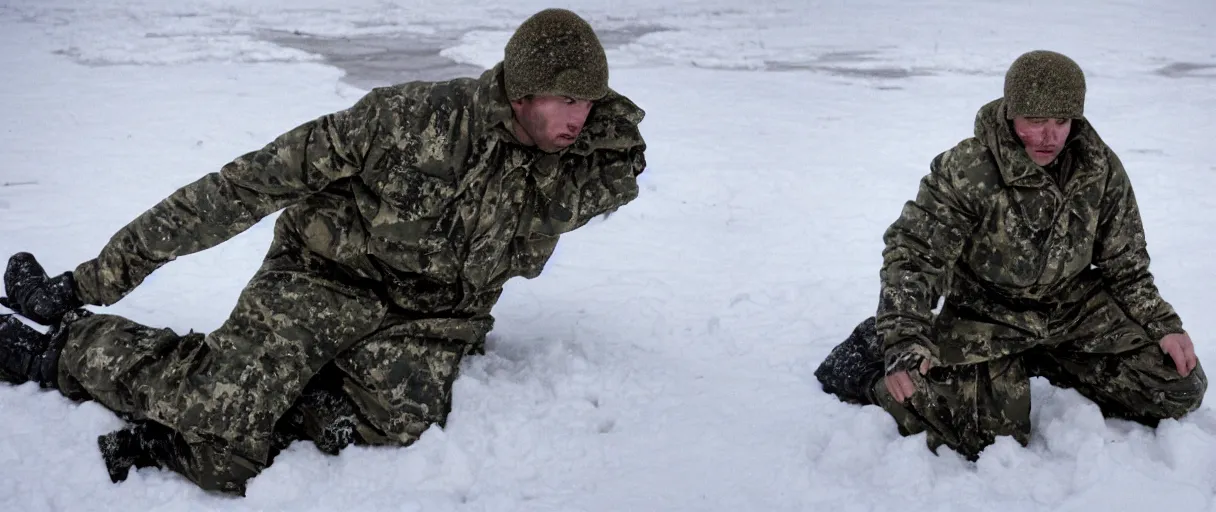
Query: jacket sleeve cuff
[(89, 287), (919, 347), (1159, 329)]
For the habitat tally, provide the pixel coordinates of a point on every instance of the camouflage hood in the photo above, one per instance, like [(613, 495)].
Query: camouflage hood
[(494, 107)]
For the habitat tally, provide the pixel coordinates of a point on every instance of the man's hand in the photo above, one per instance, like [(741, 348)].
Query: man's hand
[(900, 385), (1181, 350)]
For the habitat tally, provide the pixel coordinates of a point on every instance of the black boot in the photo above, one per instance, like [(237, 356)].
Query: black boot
[(144, 443), (21, 350), (35, 295), (28, 355), (854, 366), (323, 414)]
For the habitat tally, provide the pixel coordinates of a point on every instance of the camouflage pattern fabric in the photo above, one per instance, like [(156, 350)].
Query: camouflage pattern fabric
[(1044, 271), (405, 216), (965, 407), (1011, 245), (420, 186)]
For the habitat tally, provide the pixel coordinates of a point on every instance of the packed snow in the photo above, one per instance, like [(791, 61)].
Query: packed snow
[(664, 359)]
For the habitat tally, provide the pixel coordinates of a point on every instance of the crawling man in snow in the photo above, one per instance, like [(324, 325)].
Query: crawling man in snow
[(1031, 233), (404, 217)]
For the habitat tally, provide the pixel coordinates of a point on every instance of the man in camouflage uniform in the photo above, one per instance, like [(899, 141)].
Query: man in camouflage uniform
[(404, 217), (1031, 233)]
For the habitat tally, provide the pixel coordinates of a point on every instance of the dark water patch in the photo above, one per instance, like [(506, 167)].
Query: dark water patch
[(372, 60), (1188, 70)]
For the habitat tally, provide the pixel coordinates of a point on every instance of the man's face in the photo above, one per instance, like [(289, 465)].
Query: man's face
[(550, 122), (1043, 136)]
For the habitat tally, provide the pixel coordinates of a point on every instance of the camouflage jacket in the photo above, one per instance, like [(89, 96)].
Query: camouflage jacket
[(991, 229), (419, 189)]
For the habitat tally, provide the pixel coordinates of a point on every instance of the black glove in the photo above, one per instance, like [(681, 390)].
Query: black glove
[(34, 295)]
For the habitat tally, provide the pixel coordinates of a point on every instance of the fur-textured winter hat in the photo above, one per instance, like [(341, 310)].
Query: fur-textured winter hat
[(1044, 84), (555, 52)]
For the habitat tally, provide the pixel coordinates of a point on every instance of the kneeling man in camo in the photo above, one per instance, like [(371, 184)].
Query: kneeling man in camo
[(403, 218), (1031, 234)]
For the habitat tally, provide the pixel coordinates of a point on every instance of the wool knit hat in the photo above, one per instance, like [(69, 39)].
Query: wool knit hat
[(555, 52), (1044, 84)]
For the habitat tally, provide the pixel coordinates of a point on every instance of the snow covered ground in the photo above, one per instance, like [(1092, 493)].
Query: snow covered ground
[(664, 359)]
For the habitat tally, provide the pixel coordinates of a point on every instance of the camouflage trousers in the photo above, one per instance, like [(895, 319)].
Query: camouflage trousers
[(224, 392), (1094, 350)]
